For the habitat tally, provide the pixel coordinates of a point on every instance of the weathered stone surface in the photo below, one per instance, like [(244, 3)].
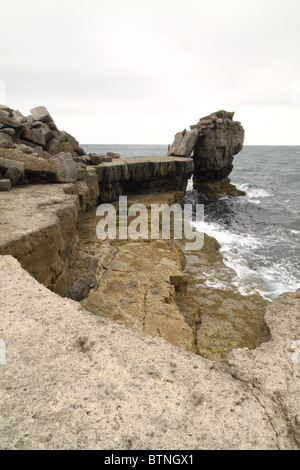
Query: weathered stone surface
[(13, 123), (25, 145), (95, 159), (67, 147), (15, 175), (81, 189), (132, 293), (106, 159), (40, 113), (3, 107), (6, 144), (54, 146), (159, 396), (38, 134), (72, 141), (143, 174), (18, 116), (89, 176), (215, 139), (26, 149), (62, 136), (184, 145), (5, 184), (216, 189), (32, 164), (80, 151), (220, 138), (64, 167), (35, 136), (38, 227), (113, 154), (7, 133), (14, 170)]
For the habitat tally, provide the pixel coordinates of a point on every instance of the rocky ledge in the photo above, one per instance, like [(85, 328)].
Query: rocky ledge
[(73, 380), (143, 175)]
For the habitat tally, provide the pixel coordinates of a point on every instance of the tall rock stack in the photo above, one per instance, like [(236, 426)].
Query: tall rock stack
[(220, 138), (214, 140)]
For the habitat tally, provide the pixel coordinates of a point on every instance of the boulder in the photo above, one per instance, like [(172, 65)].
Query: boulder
[(14, 170), (25, 149), (7, 133), (40, 113), (54, 146), (5, 185), (15, 175), (80, 189), (3, 107), (35, 136), (69, 138), (18, 116), (95, 159), (5, 113), (113, 154), (24, 145), (11, 123), (62, 136), (91, 179), (64, 168), (184, 143), (6, 144), (80, 151)]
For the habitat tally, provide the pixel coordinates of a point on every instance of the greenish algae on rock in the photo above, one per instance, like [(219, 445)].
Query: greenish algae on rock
[(216, 189)]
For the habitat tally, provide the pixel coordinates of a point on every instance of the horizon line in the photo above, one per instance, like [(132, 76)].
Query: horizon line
[(246, 145)]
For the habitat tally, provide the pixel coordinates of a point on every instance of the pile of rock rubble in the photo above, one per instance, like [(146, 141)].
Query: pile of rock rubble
[(34, 150)]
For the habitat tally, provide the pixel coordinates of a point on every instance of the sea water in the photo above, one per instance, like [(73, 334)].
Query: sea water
[(259, 233)]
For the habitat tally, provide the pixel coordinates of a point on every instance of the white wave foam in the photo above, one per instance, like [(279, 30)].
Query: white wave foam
[(227, 239), (248, 281), (253, 191), (189, 185)]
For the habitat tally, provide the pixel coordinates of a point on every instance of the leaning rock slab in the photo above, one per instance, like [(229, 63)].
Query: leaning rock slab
[(40, 113), (64, 167), (183, 145)]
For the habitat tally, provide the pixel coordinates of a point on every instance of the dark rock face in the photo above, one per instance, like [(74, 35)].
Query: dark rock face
[(220, 138), (142, 175), (215, 139)]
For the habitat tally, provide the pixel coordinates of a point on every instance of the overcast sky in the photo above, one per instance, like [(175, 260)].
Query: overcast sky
[(138, 71)]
